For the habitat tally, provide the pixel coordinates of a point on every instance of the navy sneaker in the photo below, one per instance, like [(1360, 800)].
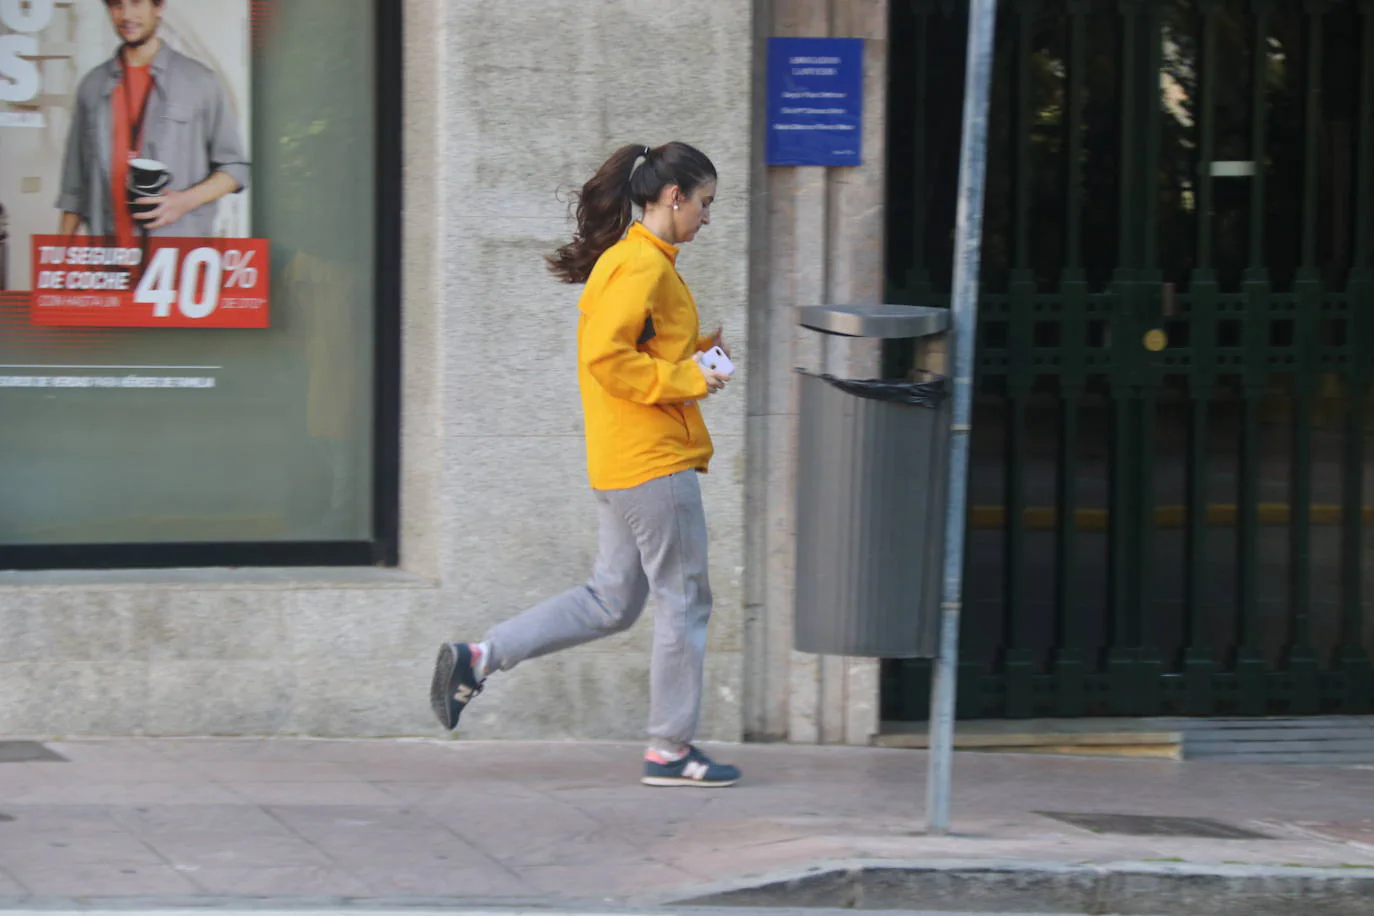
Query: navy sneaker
[(695, 769), (454, 684)]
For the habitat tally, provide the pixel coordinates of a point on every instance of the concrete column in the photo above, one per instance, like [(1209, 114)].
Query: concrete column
[(818, 238)]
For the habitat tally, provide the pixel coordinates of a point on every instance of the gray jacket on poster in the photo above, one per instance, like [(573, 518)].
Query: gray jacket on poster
[(188, 126)]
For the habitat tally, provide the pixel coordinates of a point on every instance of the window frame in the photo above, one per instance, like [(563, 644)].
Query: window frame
[(382, 548)]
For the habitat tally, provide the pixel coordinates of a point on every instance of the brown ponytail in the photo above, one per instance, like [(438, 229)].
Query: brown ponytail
[(604, 206)]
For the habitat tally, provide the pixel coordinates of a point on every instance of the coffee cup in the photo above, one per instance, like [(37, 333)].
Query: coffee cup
[(147, 178)]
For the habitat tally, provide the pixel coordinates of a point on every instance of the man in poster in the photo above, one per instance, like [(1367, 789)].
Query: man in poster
[(155, 107)]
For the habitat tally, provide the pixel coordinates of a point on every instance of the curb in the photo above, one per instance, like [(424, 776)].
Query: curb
[(982, 886), (401, 907)]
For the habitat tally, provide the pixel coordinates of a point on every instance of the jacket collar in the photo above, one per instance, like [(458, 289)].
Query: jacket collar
[(114, 67), (638, 230)]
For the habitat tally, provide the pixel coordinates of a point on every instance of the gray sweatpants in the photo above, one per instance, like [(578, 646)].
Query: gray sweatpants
[(652, 538)]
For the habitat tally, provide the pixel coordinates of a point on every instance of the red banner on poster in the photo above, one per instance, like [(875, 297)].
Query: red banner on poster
[(170, 283)]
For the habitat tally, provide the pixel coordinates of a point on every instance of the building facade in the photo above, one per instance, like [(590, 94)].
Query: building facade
[(396, 458)]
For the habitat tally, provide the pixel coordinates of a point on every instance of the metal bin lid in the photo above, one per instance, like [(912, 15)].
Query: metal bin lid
[(884, 322)]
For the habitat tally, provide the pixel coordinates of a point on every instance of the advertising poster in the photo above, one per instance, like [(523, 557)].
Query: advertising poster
[(124, 164)]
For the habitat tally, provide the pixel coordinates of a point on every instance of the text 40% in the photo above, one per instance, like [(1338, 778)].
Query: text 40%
[(195, 284)]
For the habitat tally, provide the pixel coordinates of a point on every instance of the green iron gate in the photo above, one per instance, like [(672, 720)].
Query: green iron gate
[(1171, 458)]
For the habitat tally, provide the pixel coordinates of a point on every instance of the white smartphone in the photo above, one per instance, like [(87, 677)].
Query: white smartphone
[(716, 360)]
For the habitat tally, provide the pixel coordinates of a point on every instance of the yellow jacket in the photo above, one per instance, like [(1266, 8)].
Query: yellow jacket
[(636, 335)]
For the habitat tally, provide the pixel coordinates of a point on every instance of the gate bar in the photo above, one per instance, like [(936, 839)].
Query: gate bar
[(968, 241)]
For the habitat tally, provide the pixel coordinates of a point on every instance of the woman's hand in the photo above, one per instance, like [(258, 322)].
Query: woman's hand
[(715, 381)]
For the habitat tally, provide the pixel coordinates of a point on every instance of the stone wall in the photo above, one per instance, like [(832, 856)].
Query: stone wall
[(506, 101), (818, 237)]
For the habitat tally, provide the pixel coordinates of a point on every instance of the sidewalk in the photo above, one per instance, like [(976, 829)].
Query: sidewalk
[(520, 823)]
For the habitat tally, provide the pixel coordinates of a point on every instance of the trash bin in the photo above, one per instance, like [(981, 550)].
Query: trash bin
[(871, 497)]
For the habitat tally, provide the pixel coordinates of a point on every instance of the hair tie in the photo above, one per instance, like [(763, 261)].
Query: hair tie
[(641, 160)]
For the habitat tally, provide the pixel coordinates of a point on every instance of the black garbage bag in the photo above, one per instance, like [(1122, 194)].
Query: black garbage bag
[(928, 391)]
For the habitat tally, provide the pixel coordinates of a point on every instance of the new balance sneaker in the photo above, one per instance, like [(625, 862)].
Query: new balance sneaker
[(454, 683), (694, 769)]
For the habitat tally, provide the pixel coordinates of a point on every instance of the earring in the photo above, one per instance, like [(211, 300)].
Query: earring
[(674, 206)]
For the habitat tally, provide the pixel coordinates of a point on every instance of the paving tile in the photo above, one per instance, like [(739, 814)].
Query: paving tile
[(219, 836), (240, 819), (11, 888), (110, 752), (294, 881), (710, 865), (517, 827), (601, 848), (325, 821), (74, 849), (195, 793), (213, 750), (235, 850), (455, 793), (1349, 831), (310, 793), (436, 851), (361, 836), (61, 821), (61, 880), (15, 777), (120, 772), (602, 882), (292, 771), (556, 753), (545, 764), (620, 799), (650, 836), (735, 833), (438, 768), (380, 750), (489, 881)]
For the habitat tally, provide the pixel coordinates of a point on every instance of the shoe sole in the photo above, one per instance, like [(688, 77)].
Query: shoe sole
[(441, 689), (673, 782)]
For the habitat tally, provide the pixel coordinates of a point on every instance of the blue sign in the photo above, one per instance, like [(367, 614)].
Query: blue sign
[(815, 101)]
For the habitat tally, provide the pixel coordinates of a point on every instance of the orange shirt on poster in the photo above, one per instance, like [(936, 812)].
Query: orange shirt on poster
[(126, 102)]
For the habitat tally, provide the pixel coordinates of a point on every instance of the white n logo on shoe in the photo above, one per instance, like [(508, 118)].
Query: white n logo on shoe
[(695, 769), (464, 693)]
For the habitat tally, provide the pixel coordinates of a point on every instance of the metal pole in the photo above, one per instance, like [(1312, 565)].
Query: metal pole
[(968, 241)]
